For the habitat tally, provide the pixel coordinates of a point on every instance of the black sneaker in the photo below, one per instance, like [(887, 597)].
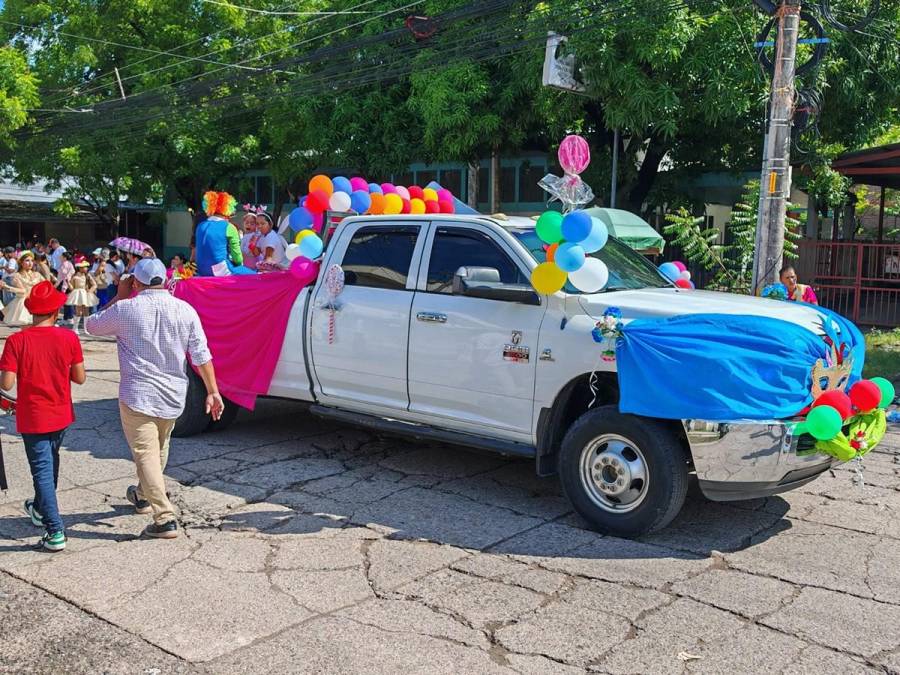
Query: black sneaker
[(165, 531), (140, 505)]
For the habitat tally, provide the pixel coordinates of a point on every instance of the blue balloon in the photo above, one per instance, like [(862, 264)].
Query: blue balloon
[(576, 226), (375, 187), (300, 219), (302, 201), (311, 246), (569, 257), (342, 184), (597, 238), (670, 271), (360, 201)]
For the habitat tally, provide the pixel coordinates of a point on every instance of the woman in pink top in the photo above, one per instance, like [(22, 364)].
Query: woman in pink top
[(797, 292)]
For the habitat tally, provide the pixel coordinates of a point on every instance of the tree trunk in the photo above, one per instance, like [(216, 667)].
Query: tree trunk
[(495, 180), (472, 184), (637, 194)]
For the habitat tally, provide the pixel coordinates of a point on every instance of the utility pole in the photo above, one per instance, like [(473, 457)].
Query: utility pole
[(775, 182)]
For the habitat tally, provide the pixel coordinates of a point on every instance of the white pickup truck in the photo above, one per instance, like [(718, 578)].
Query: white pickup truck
[(440, 336)]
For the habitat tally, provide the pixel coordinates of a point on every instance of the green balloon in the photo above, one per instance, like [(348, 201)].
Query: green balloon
[(549, 227), (887, 391), (824, 422)]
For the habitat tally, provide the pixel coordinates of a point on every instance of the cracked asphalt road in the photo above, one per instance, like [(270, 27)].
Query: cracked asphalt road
[(314, 548)]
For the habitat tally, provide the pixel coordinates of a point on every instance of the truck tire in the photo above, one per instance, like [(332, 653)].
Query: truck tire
[(194, 419), (625, 475)]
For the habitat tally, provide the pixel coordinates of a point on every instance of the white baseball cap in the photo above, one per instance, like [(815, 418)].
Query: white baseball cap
[(150, 272)]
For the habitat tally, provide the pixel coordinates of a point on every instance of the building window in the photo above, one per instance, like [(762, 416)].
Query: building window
[(508, 184), (423, 178), (529, 190), (405, 179), (452, 180)]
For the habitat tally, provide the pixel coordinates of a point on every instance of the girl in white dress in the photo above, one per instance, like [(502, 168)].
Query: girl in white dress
[(83, 294), (15, 314)]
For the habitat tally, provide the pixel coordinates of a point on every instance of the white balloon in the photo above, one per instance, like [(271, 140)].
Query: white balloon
[(686, 275), (591, 277), (340, 201), (292, 251)]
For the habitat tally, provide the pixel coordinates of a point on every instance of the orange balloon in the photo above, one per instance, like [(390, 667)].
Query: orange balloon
[(551, 252), (323, 183), (393, 204), (377, 207), (416, 205)]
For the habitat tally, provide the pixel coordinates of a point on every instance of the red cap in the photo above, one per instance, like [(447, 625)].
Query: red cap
[(44, 299)]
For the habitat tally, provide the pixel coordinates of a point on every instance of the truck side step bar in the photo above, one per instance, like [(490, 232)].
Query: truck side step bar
[(423, 432)]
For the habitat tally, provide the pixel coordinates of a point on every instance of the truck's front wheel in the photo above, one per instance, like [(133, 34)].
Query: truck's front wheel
[(625, 475)]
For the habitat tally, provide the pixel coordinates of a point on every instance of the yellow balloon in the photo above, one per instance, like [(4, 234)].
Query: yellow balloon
[(416, 206), (393, 204), (301, 234), (430, 195), (547, 278)]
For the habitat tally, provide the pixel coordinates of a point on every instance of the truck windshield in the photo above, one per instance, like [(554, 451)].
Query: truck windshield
[(628, 270)]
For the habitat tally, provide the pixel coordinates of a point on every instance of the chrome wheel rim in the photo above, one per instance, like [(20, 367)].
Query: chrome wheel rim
[(614, 473)]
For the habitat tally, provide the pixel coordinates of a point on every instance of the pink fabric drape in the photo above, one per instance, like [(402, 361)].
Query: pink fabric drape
[(245, 318)]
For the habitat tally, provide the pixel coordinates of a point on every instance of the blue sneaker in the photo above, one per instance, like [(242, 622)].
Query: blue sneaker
[(54, 542), (36, 518)]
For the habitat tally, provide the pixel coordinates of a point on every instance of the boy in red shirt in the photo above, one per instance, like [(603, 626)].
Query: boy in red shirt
[(44, 359)]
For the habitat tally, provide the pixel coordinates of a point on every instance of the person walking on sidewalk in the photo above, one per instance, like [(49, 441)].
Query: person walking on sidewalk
[(155, 333), (45, 360)]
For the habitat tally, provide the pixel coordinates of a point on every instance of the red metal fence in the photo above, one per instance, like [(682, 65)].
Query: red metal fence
[(859, 280)]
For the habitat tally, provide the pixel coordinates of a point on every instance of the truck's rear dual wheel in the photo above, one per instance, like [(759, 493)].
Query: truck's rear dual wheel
[(194, 419), (625, 475)]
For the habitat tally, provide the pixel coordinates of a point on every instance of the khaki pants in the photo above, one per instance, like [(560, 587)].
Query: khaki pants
[(148, 438)]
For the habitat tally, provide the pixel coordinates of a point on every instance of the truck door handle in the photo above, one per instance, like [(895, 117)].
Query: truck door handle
[(431, 317)]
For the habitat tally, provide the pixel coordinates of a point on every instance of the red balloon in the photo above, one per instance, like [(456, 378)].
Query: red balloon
[(317, 201), (837, 400), (865, 395), (407, 206), (683, 283), (446, 206), (415, 192), (432, 207)]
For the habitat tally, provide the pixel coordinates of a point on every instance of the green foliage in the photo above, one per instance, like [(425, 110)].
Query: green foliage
[(18, 92)]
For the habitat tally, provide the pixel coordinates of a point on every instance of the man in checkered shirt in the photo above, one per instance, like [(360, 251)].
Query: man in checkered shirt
[(155, 333)]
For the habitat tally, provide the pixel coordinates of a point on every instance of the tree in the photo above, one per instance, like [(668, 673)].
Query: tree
[(18, 93)]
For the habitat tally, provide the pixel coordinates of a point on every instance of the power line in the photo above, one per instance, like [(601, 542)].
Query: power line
[(268, 12)]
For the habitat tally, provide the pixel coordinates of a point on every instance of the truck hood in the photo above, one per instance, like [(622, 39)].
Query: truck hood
[(668, 302)]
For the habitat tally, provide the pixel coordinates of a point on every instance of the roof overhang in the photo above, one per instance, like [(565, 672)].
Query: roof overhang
[(875, 166)]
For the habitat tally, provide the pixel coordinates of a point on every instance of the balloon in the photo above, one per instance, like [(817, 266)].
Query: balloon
[(377, 207), (301, 234), (375, 188), (415, 192), (824, 422), (551, 252), (574, 154), (669, 271), (549, 227), (360, 201), (597, 238), (318, 221), (432, 206), (323, 183), (340, 201), (446, 206), (302, 201), (430, 195), (317, 201), (311, 246), (392, 204), (300, 218), (304, 270), (547, 278), (683, 283), (569, 257), (692, 285), (293, 250), (888, 394), (836, 399), (576, 226), (592, 276), (342, 184), (680, 265), (444, 195), (403, 192), (358, 183), (865, 395), (388, 188), (407, 207), (685, 275), (416, 206)]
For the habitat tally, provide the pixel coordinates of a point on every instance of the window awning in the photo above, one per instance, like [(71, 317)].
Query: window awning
[(874, 166)]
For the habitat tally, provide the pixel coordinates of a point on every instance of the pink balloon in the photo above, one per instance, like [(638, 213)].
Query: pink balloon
[(403, 192), (318, 221), (444, 195), (680, 265), (574, 154), (388, 188), (305, 271), (359, 184)]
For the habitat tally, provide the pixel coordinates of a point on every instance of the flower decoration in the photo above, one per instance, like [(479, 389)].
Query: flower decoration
[(776, 291), (607, 331)]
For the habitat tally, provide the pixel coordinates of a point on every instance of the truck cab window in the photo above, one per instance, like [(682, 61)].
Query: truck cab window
[(454, 248), (379, 257)]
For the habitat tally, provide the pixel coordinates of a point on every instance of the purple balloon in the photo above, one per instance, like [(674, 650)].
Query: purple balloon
[(388, 188), (358, 183)]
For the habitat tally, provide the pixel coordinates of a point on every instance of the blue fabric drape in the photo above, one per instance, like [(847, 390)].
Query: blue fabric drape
[(722, 367)]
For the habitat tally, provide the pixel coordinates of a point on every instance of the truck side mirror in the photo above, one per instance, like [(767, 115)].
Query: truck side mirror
[(484, 282)]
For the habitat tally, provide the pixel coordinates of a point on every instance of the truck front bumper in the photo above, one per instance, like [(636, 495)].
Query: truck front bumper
[(747, 460)]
